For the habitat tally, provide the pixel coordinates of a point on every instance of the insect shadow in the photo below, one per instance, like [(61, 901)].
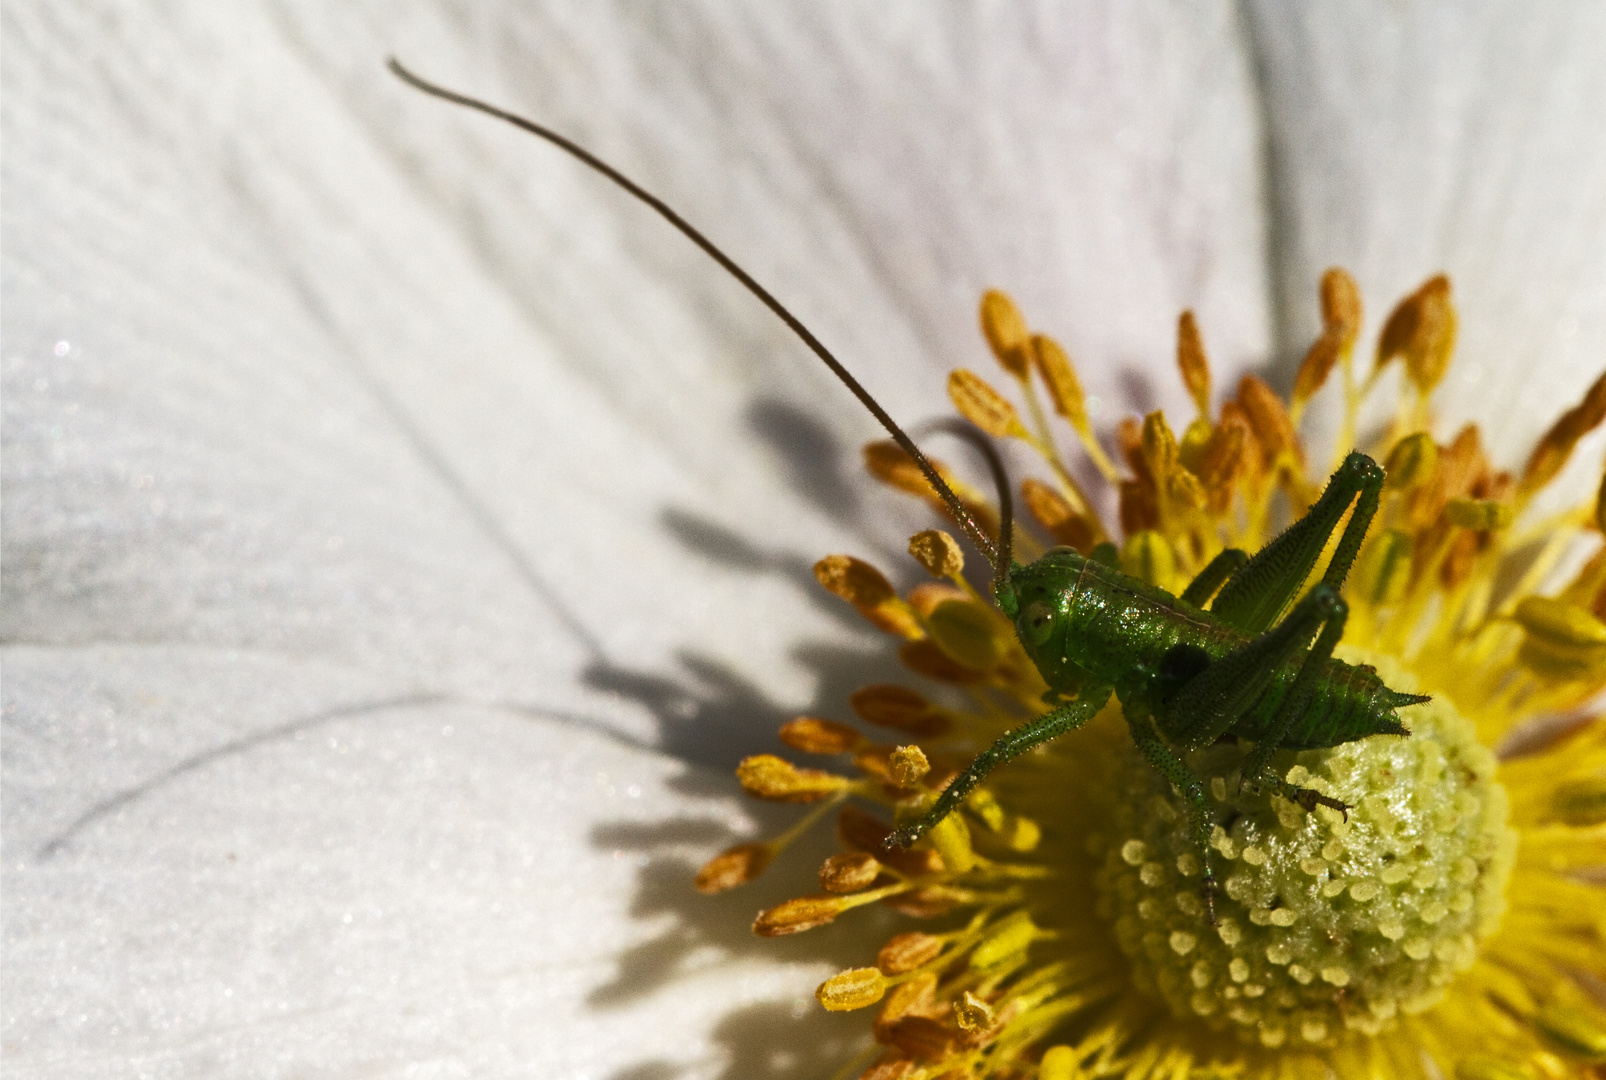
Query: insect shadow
[(810, 454), (702, 934), (768, 1041), (710, 717)]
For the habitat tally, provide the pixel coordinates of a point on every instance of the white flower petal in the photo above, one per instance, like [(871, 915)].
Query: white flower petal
[(409, 389), (245, 864), (336, 418), (1409, 139)]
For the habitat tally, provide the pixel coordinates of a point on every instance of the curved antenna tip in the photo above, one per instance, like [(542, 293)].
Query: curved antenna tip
[(793, 323)]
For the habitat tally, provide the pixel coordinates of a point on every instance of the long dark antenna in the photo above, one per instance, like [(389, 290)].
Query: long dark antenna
[(946, 493), (995, 465)]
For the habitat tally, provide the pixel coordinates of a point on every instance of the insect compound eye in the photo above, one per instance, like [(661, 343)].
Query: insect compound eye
[(1036, 623)]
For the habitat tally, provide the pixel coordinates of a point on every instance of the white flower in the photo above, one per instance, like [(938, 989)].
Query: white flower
[(404, 531)]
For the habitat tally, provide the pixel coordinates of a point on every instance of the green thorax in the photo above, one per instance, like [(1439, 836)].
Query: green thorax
[(1080, 618)]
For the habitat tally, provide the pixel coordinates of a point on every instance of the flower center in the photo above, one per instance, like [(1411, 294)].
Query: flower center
[(1324, 925)]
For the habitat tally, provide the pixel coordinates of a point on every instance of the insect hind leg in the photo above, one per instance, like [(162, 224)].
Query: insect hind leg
[(1214, 700), (1217, 573), (1325, 604), (1261, 589)]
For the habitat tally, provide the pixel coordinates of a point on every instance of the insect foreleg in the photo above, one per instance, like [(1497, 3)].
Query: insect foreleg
[(1323, 603), (1170, 766), (1071, 715), (1260, 591), (1222, 567)]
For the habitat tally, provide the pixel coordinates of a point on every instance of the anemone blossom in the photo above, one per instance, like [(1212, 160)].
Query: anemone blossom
[(404, 533)]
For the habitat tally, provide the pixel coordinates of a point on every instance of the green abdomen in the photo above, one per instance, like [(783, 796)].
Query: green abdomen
[(1126, 634)]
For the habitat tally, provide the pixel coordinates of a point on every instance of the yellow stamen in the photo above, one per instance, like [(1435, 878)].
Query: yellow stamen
[(852, 989), (1195, 366), (1005, 330), (938, 552), (778, 780), (909, 765), (812, 735), (1346, 944), (849, 873), (983, 406), (1065, 390)]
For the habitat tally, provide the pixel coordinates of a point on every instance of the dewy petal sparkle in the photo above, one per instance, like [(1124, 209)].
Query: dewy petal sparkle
[(1442, 927)]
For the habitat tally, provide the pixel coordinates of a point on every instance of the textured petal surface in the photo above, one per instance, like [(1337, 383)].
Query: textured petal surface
[(1409, 139), (278, 871), (397, 521)]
